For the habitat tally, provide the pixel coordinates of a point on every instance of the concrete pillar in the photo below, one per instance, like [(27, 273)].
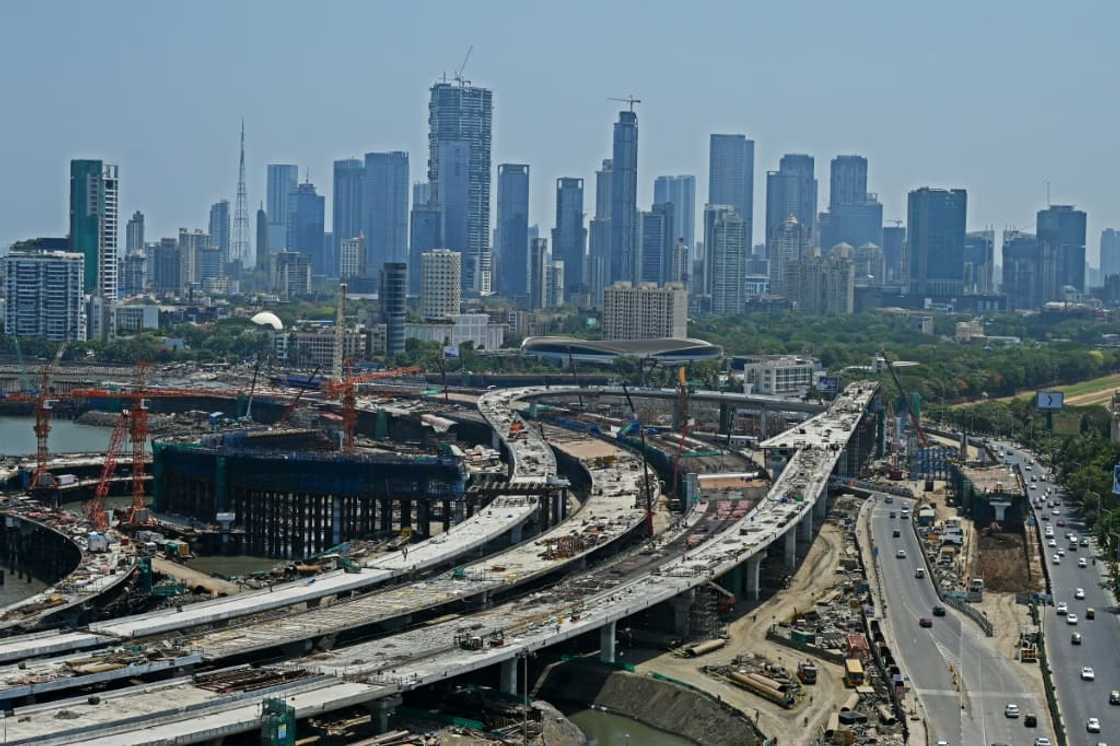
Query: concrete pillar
[(791, 548), (754, 567), (515, 535), (805, 527), (726, 415), (446, 516), (763, 422), (733, 581), (1001, 511), (386, 514), (820, 508), (508, 677), (459, 510), (606, 642), (558, 500), (381, 710), (406, 513), (681, 606), (495, 441)]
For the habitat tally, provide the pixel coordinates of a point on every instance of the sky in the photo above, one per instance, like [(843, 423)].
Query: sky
[(999, 97)]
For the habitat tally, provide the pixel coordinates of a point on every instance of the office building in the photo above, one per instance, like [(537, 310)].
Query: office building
[(462, 113), (135, 318), (385, 191), (453, 194), (539, 260), (1022, 278), (134, 274), (210, 264), (726, 252), (788, 245), (346, 208), (936, 228), (569, 237), (1061, 234), (979, 262), (263, 253), (624, 200), (656, 242), (731, 176), (219, 228), (393, 295), (599, 235), (475, 328), (421, 193), (134, 234), (854, 215), (847, 181), (645, 311), (680, 192), (554, 284), (352, 258), (425, 234), (821, 285), (440, 283), (511, 245), (1110, 252), (780, 375), (282, 181), (306, 215), (291, 275), (166, 267), (94, 228), (895, 261), (868, 265), (43, 290), (190, 243), (792, 190)]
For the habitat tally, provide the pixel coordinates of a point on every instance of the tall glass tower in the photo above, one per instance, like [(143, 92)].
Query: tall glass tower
[(624, 200)]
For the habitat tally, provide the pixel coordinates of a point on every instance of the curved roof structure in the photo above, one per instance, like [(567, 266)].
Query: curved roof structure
[(667, 349), (268, 318)]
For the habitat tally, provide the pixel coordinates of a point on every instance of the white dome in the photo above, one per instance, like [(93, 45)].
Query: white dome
[(268, 318)]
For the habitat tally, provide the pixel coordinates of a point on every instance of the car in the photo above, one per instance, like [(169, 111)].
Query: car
[(1060, 522), (1045, 517), (1075, 638), (925, 622), (1114, 697), (896, 533), (1071, 618), (1090, 613), (1082, 562), (900, 554), (1084, 541), (1088, 674), (1031, 721), (1093, 725), (1049, 531), (1079, 594), (1056, 559), (920, 573), (1052, 543), (889, 499), (893, 515), (1011, 711), (1061, 553), (1062, 608), (1055, 511), (1041, 741), (939, 610)]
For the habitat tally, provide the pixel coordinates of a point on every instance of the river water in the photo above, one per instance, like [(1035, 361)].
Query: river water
[(611, 729), (17, 438)]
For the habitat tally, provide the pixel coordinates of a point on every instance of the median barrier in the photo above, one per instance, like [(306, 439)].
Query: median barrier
[(981, 621)]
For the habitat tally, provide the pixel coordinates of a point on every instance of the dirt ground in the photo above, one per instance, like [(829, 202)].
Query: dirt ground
[(1001, 560), (815, 577), (194, 578)]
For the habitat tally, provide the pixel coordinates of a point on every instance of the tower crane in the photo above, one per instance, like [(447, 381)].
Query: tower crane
[(43, 418), (95, 508), (345, 389), (629, 100)]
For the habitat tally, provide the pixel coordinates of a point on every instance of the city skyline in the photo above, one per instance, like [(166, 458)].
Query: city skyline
[(907, 149)]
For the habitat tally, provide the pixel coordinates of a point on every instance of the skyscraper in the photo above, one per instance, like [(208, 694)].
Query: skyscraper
[(459, 112), (421, 193), (346, 209), (440, 283), (936, 227), (1110, 252), (821, 284), (352, 258), (569, 237), (854, 215), (134, 234), (599, 235), (262, 238), (725, 244), (731, 176), (190, 244), (787, 246), (656, 241), (44, 291), (453, 195), (792, 190), (94, 217), (166, 266), (680, 192), (282, 181), (624, 200), (424, 235), (306, 214), (393, 296), (511, 247), (539, 259), (847, 181), (979, 261), (1022, 281), (1061, 234), (385, 192), (894, 253), (220, 227)]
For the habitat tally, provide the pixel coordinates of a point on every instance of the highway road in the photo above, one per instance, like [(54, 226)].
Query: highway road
[(963, 682), (1100, 638)]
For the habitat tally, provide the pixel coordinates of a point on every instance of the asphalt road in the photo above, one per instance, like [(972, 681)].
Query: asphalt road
[(1100, 638), (962, 681)]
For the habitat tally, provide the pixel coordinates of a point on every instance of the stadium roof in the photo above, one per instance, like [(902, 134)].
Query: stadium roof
[(668, 349)]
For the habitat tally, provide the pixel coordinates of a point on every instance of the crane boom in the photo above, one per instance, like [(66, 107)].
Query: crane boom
[(914, 420)]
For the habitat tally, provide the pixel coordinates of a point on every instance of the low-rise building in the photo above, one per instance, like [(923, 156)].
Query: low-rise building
[(136, 317), (476, 328), (780, 375)]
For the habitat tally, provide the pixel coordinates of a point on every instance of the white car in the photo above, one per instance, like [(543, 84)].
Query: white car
[(1041, 741), (1079, 594), (1056, 560), (901, 554), (1061, 553), (1071, 618), (1011, 711), (1062, 608), (1087, 673), (1082, 562), (1055, 511), (1093, 725), (1052, 543), (1049, 532)]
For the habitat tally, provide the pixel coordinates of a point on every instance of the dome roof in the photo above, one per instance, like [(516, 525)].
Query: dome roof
[(268, 318)]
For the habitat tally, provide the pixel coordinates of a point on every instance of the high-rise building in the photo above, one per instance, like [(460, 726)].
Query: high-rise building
[(44, 290), (599, 235), (1022, 280), (1110, 252), (731, 176), (166, 267), (459, 112), (624, 200), (511, 246), (134, 234), (441, 283), (788, 245), (645, 311), (453, 194), (656, 232), (569, 237), (422, 193), (1061, 234), (554, 284), (854, 215), (979, 262), (847, 181), (539, 261), (263, 249), (352, 258), (306, 215), (219, 227), (424, 235), (895, 262), (792, 190), (346, 208), (134, 274), (291, 274), (94, 227), (210, 262), (385, 212), (726, 252), (282, 181), (680, 192), (393, 295), (936, 227), (821, 285), (190, 244)]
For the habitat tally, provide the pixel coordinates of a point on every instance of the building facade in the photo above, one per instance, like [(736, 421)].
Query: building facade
[(780, 375), (43, 293), (624, 200), (511, 245), (731, 176), (476, 328), (425, 234), (291, 274), (792, 190), (936, 229), (94, 219), (134, 234), (282, 181), (726, 252), (645, 311), (979, 262), (656, 240), (440, 283), (1061, 235), (821, 285), (680, 192), (788, 245), (569, 237), (306, 215), (220, 227), (393, 295), (1110, 252), (599, 235), (385, 190), (352, 258)]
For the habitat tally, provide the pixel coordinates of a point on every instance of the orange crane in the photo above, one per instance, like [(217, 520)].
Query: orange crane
[(43, 418), (95, 508), (346, 389)]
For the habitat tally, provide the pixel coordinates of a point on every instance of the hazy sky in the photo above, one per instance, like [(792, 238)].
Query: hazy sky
[(995, 96)]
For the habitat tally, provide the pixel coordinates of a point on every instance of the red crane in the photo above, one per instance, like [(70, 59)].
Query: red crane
[(43, 418), (346, 389), (95, 508)]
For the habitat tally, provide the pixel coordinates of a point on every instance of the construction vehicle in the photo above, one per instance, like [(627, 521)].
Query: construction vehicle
[(807, 672), (465, 641)]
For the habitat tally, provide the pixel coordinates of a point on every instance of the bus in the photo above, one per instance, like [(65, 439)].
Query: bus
[(853, 672)]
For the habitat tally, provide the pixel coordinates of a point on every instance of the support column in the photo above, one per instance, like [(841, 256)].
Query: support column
[(508, 677), (446, 516), (805, 527), (515, 535), (763, 422), (681, 606), (726, 415), (820, 508), (381, 710), (424, 517), (606, 642), (791, 548), (754, 568), (406, 513), (733, 581), (386, 507)]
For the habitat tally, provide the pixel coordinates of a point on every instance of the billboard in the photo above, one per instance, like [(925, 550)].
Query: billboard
[(1050, 400), (828, 385), (1116, 482)]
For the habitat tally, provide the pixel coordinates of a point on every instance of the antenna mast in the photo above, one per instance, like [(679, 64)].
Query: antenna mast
[(240, 248)]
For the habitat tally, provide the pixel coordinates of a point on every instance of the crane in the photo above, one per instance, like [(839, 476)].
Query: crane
[(914, 419), (459, 73), (346, 389), (629, 100), (43, 418), (95, 508), (299, 395)]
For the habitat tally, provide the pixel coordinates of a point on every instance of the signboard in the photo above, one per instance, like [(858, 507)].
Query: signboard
[(828, 385), (1116, 480), (1050, 400)]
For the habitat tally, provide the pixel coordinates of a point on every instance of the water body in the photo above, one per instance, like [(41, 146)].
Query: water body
[(15, 589), (17, 438), (230, 566), (612, 729)]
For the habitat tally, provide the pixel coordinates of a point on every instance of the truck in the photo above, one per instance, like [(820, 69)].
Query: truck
[(807, 672)]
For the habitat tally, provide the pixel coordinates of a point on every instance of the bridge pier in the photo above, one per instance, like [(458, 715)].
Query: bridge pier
[(820, 507), (606, 642), (381, 710), (805, 527), (726, 416), (424, 517), (733, 581), (754, 568), (682, 607), (386, 507), (515, 535), (406, 513), (508, 677), (791, 548)]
